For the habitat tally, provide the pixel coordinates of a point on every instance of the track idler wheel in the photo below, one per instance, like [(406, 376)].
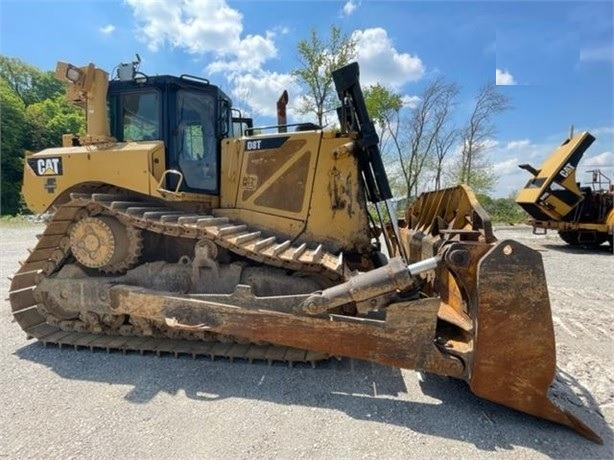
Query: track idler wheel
[(105, 243)]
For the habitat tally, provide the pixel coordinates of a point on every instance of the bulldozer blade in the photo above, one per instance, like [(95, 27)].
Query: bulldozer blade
[(495, 291), (509, 357), (514, 360)]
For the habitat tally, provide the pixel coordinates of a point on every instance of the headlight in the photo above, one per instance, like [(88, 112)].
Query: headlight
[(73, 74)]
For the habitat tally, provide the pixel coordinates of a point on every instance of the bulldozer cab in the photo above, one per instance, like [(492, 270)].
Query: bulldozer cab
[(187, 113)]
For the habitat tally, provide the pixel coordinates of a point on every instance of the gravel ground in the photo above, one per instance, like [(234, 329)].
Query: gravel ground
[(62, 404)]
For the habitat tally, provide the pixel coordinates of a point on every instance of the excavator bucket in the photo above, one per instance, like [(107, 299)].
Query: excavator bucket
[(495, 310)]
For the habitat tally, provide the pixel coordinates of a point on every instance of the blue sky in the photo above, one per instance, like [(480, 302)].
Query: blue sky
[(553, 58)]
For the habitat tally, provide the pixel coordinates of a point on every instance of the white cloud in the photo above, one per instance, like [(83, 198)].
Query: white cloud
[(380, 62), (598, 53), (506, 167), (214, 30), (108, 29), (202, 27), (513, 145), (521, 150), (503, 77), (281, 30), (604, 162), (600, 155), (488, 144), (603, 131), (604, 159), (261, 91), (350, 7), (505, 158), (253, 52), (410, 101)]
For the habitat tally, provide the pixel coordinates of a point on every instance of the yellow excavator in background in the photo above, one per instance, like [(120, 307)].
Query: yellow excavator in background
[(175, 228), (555, 200)]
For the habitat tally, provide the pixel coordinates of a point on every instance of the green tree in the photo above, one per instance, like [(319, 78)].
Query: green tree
[(17, 74), (384, 107), (49, 119), (502, 210), (34, 115), (12, 121), (29, 83), (318, 59)]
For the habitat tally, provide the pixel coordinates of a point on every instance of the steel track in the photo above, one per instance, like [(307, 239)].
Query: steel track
[(53, 250)]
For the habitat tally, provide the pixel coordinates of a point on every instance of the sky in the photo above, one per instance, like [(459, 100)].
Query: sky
[(554, 59)]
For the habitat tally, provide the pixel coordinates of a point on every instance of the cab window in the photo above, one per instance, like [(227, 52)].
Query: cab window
[(197, 140), (140, 116)]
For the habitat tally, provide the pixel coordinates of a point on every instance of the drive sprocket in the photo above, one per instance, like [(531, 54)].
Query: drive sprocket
[(105, 243)]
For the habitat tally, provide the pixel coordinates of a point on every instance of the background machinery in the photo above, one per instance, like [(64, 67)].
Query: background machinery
[(583, 215), (175, 229)]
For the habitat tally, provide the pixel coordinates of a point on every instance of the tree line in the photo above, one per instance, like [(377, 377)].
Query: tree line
[(34, 115), (424, 147)]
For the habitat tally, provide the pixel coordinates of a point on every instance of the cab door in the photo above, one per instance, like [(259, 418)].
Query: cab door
[(196, 141)]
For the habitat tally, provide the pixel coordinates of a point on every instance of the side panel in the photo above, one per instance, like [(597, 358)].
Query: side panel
[(304, 185), (277, 174), (338, 205), (50, 173)]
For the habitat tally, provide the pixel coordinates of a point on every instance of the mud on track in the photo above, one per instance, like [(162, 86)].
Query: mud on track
[(67, 404)]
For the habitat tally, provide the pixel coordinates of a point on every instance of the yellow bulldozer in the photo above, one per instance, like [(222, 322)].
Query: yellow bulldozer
[(582, 215), (178, 228)]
